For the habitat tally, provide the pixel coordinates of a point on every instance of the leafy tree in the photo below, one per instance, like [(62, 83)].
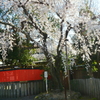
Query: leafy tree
[(20, 55)]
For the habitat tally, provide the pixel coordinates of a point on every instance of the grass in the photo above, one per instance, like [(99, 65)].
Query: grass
[(87, 98)]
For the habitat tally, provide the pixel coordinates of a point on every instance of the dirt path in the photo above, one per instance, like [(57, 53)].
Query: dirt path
[(21, 98)]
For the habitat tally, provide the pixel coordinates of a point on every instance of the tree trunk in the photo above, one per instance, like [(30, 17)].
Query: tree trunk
[(56, 80), (56, 76), (54, 71)]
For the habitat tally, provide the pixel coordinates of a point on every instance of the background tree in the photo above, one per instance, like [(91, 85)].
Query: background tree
[(21, 55)]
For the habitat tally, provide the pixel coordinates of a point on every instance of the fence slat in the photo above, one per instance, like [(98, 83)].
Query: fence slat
[(19, 89), (31, 88), (98, 88), (89, 87), (1, 90), (25, 87)]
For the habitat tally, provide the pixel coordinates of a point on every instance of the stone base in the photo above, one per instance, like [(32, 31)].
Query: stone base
[(57, 96)]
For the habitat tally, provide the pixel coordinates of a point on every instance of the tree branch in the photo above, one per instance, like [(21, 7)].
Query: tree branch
[(7, 23), (40, 2), (26, 2), (61, 37), (32, 22)]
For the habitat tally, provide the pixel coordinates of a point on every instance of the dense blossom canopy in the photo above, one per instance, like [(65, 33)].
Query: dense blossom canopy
[(48, 22)]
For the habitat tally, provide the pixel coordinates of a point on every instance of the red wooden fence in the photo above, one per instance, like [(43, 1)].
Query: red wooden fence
[(21, 75)]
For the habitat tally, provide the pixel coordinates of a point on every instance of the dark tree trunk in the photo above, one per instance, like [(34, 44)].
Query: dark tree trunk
[(56, 78), (58, 68), (54, 69)]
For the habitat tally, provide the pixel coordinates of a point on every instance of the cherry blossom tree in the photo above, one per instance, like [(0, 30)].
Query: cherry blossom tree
[(48, 23), (87, 39)]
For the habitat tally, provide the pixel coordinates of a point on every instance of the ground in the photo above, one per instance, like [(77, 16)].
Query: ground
[(32, 98), (20, 98), (61, 96), (87, 98)]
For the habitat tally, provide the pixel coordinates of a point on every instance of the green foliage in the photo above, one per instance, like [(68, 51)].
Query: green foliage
[(86, 98), (1, 30), (93, 62), (94, 68), (79, 60), (19, 55)]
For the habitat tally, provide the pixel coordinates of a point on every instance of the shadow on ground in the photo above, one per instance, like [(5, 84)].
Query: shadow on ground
[(20, 98)]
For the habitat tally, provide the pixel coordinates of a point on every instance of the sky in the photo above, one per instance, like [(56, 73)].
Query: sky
[(96, 6)]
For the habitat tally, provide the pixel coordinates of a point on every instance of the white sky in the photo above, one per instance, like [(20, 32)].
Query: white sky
[(96, 6)]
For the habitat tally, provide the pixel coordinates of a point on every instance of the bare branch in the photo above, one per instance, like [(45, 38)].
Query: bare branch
[(26, 2), (7, 23), (61, 37), (40, 2)]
